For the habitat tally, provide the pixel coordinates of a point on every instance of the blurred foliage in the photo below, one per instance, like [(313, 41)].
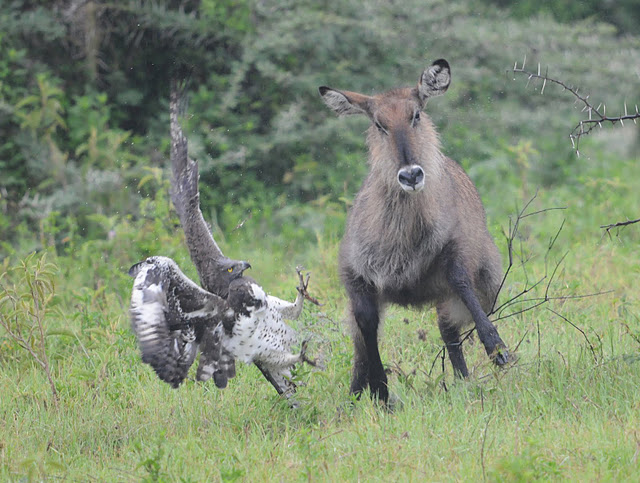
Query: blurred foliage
[(624, 14), (84, 115)]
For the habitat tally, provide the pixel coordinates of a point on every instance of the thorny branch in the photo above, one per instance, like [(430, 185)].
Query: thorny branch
[(596, 115), (526, 304)]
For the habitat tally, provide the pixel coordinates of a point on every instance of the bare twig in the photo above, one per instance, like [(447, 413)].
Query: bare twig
[(484, 439), (541, 300), (595, 357), (620, 224), (520, 299), (595, 115), (435, 359), (513, 234)]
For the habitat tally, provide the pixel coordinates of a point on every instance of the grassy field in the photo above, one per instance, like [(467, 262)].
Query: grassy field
[(567, 408)]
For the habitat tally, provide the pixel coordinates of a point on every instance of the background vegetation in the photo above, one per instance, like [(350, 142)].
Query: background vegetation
[(84, 185)]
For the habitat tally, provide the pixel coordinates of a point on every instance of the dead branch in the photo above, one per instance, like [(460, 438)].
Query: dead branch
[(620, 224), (595, 357), (596, 116), (520, 302)]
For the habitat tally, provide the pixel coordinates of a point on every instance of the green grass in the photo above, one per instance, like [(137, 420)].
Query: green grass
[(567, 408)]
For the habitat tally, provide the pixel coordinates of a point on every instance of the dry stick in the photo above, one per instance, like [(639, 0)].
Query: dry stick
[(620, 224), (596, 118), (484, 438), (541, 300), (435, 359), (585, 126), (521, 341), (595, 358), (517, 299), (512, 234)]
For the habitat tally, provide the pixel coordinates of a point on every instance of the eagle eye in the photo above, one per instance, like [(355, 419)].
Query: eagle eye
[(230, 269)]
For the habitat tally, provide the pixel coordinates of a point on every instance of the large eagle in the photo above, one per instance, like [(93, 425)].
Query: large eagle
[(229, 317), (168, 311)]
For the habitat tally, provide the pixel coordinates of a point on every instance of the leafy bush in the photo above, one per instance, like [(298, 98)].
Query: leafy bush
[(27, 292), (81, 135)]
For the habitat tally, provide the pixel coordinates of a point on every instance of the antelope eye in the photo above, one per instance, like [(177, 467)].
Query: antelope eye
[(416, 117), (380, 128), (230, 269)]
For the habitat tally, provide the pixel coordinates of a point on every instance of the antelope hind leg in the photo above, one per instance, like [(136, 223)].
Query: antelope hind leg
[(451, 337)]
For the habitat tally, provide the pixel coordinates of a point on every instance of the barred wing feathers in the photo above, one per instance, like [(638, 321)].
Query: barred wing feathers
[(215, 360), (169, 315)]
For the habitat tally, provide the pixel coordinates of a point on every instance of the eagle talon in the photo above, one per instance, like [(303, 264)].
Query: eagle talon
[(302, 287), (303, 354)]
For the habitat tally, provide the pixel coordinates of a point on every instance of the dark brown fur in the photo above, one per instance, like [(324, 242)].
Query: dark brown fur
[(416, 233)]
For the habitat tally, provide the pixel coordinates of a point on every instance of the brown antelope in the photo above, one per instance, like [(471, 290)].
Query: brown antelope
[(416, 233)]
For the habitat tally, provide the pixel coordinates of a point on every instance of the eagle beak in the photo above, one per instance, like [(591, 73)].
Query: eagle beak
[(245, 266), (135, 269)]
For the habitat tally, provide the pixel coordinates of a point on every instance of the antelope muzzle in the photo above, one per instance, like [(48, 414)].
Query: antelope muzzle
[(411, 178)]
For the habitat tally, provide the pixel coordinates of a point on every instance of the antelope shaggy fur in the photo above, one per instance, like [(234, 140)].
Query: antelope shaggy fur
[(416, 233)]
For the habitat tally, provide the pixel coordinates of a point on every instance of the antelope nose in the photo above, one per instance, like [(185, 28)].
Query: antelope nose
[(411, 176)]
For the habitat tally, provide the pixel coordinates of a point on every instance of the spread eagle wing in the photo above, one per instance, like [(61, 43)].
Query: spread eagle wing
[(257, 332), (214, 269), (169, 315), (215, 359)]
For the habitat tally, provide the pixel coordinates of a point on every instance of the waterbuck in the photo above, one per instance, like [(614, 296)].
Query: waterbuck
[(416, 232)]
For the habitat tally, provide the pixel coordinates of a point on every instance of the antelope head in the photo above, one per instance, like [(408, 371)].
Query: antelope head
[(402, 139)]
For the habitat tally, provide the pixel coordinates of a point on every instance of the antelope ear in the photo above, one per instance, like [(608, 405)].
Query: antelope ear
[(344, 103), (434, 81)]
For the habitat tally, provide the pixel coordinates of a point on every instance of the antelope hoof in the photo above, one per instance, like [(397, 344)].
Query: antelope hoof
[(379, 392), (500, 356)]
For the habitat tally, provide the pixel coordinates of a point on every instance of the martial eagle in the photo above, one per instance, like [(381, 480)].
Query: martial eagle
[(169, 314), (228, 317)]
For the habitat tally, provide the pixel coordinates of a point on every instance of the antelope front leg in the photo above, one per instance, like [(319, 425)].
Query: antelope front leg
[(487, 332), (367, 366)]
